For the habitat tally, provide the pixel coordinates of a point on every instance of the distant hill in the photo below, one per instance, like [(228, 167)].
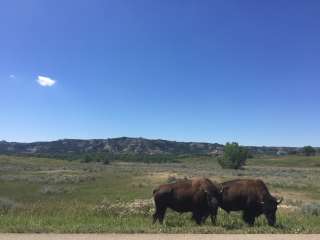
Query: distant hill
[(126, 145), (113, 145)]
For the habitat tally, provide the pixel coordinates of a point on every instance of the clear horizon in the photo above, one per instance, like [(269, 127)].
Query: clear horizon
[(209, 71)]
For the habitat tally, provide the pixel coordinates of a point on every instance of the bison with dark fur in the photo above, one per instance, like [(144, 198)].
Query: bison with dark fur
[(250, 196), (199, 196)]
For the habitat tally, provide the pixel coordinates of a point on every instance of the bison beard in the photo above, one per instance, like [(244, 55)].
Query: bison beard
[(199, 196), (250, 196)]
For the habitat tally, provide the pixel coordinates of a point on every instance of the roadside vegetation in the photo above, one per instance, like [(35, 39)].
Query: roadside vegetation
[(51, 195)]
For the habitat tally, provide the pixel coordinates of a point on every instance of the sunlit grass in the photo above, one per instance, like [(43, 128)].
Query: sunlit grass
[(47, 195)]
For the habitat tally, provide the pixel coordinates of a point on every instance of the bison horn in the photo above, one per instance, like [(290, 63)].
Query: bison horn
[(262, 203), (279, 200)]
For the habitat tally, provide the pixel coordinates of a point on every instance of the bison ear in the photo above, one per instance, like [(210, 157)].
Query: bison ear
[(279, 201)]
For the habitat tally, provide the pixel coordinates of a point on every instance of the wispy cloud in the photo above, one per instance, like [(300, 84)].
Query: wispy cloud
[(45, 81), (12, 76)]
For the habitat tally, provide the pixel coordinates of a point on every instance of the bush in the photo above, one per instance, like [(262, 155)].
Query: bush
[(6, 205), (106, 161), (234, 156), (311, 209), (87, 158), (309, 151)]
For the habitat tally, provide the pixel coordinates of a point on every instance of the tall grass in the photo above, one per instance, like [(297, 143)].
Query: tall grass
[(47, 195)]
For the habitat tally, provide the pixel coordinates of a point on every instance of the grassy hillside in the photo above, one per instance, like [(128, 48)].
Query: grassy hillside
[(49, 195)]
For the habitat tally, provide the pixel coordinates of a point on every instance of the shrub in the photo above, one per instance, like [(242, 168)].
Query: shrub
[(6, 204), (234, 156), (311, 209), (106, 161), (87, 159), (309, 151)]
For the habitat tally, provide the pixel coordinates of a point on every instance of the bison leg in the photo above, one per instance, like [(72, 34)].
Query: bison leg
[(204, 217), (213, 215), (155, 217), (201, 217), (159, 215), (197, 217), (248, 217)]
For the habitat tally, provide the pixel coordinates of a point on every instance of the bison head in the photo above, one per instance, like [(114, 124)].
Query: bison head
[(214, 194), (269, 208), (213, 199)]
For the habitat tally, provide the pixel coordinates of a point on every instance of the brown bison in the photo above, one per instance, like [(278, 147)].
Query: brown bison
[(199, 196), (250, 196)]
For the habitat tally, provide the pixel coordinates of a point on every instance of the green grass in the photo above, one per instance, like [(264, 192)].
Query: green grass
[(88, 222), (287, 161), (92, 197)]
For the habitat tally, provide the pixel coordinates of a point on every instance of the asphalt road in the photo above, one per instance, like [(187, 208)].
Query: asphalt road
[(158, 237)]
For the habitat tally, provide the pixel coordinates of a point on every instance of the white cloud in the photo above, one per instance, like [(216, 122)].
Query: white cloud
[(45, 81), (12, 76)]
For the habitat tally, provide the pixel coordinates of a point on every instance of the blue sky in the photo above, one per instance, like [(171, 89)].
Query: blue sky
[(214, 71)]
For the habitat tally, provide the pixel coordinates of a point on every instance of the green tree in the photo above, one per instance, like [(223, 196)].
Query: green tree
[(106, 160), (309, 151), (87, 158), (234, 156)]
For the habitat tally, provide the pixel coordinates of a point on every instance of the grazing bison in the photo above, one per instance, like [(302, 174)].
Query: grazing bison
[(250, 196), (199, 196)]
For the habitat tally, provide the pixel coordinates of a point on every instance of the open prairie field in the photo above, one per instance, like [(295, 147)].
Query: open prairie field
[(48, 195)]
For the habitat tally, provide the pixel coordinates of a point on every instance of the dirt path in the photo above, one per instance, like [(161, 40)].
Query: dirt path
[(156, 237)]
